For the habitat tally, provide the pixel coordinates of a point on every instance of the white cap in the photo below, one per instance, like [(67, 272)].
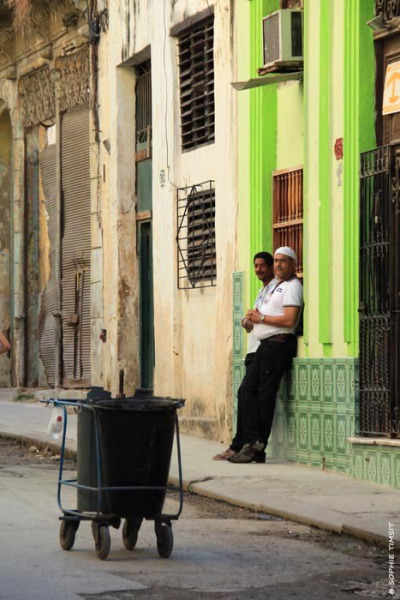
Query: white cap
[(287, 251)]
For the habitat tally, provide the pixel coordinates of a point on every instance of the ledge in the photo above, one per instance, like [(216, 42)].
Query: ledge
[(374, 441), (267, 80)]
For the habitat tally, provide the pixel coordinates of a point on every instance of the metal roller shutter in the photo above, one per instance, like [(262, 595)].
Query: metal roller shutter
[(75, 264)]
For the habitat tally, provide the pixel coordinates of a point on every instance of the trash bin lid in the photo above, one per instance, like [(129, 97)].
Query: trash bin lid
[(140, 404)]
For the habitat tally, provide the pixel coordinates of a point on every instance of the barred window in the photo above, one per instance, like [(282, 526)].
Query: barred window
[(196, 80), (196, 236), (288, 212)]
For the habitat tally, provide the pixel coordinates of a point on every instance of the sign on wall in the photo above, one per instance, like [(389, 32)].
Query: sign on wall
[(391, 91)]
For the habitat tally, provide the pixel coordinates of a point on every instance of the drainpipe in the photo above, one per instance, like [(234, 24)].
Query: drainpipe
[(57, 313)]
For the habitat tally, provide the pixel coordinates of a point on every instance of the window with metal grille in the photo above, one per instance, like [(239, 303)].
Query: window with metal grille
[(197, 265), (196, 81), (288, 212), (143, 106)]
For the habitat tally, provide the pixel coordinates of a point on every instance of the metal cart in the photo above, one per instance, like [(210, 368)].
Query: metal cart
[(101, 520)]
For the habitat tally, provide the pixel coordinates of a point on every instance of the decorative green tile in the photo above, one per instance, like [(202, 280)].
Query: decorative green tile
[(316, 459), (397, 472), (328, 382), (238, 279), (328, 433), (385, 470), (341, 469), (315, 431), (238, 374), (340, 382), (358, 465), (237, 340), (341, 434), (328, 461), (354, 379), (370, 466), (292, 455), (304, 428), (317, 411), (304, 457), (291, 431), (302, 374), (315, 382)]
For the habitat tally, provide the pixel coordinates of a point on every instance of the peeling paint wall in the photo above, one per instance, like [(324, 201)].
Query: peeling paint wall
[(33, 49), (5, 239), (193, 328)]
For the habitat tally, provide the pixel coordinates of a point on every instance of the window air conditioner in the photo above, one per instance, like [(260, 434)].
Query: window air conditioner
[(283, 38)]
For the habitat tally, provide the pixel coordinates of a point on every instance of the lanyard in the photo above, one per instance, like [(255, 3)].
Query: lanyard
[(269, 295)]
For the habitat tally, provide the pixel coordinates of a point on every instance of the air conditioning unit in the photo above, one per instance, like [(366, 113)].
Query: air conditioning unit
[(283, 38)]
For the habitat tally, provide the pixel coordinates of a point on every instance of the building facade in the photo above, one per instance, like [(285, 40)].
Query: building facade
[(323, 128), (119, 197)]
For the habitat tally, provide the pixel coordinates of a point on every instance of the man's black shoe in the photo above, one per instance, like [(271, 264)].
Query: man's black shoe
[(249, 453)]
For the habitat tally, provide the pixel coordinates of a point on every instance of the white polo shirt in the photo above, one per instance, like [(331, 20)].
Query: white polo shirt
[(252, 341), (286, 293)]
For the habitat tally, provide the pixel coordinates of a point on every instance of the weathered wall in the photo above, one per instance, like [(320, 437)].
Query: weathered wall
[(5, 238), (24, 51), (193, 331)]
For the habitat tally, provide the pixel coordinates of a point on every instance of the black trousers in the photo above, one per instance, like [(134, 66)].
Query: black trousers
[(238, 440), (271, 361)]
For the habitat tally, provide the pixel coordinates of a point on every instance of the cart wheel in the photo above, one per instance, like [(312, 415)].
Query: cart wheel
[(67, 534), (130, 532), (103, 542), (165, 540), (95, 530)]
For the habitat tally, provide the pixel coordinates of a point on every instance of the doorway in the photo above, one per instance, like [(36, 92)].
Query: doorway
[(143, 161)]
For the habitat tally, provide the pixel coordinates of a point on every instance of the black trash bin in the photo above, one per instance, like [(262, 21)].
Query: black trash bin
[(86, 451), (135, 445)]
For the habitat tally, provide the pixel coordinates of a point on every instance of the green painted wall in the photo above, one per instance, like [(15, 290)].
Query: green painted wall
[(324, 238), (359, 73), (298, 123), (290, 131), (257, 124)]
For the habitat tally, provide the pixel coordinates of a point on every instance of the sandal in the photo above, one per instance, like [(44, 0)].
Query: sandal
[(249, 453), (226, 455)]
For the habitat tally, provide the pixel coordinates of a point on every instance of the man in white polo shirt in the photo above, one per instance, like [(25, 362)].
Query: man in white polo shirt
[(275, 325), (263, 263)]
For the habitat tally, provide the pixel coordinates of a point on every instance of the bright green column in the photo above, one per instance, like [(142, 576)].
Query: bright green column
[(358, 137), (325, 242), (263, 137)]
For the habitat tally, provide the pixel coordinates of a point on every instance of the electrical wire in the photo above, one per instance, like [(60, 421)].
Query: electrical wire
[(166, 97)]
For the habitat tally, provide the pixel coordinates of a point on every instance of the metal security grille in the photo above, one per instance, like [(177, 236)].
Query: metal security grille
[(196, 236), (143, 103), (379, 293), (288, 212), (196, 78)]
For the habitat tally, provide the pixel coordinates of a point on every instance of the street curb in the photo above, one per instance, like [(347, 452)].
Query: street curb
[(194, 487), (40, 444)]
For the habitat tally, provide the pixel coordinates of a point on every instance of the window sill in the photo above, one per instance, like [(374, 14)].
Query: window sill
[(374, 441)]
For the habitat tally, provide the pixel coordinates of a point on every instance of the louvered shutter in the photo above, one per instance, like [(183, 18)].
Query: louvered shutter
[(75, 264)]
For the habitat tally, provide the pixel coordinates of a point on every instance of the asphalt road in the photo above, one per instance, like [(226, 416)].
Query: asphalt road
[(220, 552)]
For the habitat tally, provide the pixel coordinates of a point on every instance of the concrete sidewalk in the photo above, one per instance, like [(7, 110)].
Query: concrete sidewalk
[(303, 494)]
